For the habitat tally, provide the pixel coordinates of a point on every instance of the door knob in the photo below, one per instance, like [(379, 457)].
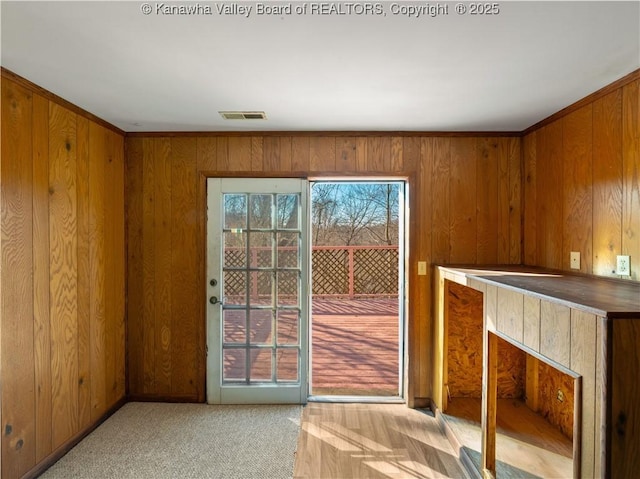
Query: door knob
[(213, 300)]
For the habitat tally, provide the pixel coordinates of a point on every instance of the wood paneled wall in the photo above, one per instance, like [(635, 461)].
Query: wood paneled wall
[(582, 185), (465, 200), (62, 303)]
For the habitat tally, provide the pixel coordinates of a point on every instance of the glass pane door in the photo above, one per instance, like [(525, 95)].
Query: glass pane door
[(257, 306)]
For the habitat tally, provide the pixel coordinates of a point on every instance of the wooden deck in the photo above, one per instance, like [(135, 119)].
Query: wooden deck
[(354, 347)]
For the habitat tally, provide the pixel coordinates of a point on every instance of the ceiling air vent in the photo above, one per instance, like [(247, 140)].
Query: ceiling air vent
[(243, 115)]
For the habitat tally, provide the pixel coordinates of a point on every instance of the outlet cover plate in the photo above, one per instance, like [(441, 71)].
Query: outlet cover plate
[(623, 267), (575, 260)]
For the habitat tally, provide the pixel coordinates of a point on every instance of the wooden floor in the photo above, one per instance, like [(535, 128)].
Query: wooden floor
[(354, 347), (372, 441), (527, 446)]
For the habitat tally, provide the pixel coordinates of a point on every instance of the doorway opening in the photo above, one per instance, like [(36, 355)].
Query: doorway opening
[(357, 289)]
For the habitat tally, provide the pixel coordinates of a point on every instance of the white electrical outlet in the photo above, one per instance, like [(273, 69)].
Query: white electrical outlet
[(422, 268), (575, 260), (623, 267)]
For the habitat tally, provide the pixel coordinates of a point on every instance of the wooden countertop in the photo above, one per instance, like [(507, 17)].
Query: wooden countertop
[(606, 297)]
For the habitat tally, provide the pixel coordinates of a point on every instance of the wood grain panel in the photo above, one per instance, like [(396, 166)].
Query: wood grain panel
[(286, 153), (602, 359), (397, 163), (63, 254), (184, 271), (530, 191), (625, 408), (549, 196), (463, 220), (135, 295), (240, 153), (512, 367), (531, 332), (440, 198), (510, 314), (361, 154), (222, 154), (18, 396), (555, 334), (322, 154), (84, 275), (490, 185), (491, 307), (109, 275), (346, 153), (257, 153), (148, 264), (42, 329), (300, 151), (272, 154), (631, 175), (97, 266), (379, 154), (162, 262), (514, 151), (607, 183), (577, 187), (207, 153), (583, 352)]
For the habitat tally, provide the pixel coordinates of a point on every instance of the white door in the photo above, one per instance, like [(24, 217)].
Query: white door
[(257, 279)]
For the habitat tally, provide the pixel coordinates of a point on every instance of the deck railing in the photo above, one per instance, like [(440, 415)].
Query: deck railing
[(337, 272)]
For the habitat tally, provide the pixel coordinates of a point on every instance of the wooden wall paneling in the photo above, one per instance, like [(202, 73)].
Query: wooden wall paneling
[(148, 263), (463, 218), (300, 153), (271, 154), (111, 259), (239, 153), (490, 185), (117, 208), (514, 150), (18, 396), (135, 294), (286, 153), (549, 196), (397, 155), (222, 154), (346, 153), (631, 175), (162, 232), (97, 265), (257, 153), (531, 329), (361, 154), (422, 194), (63, 248), (84, 275), (491, 307), (510, 314), (184, 271), (379, 154), (555, 335), (440, 201), (607, 183), (207, 151), (583, 352), (530, 192), (504, 204), (114, 214), (411, 154), (42, 327), (577, 135), (322, 154)]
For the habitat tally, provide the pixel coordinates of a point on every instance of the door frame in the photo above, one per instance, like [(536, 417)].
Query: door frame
[(216, 392)]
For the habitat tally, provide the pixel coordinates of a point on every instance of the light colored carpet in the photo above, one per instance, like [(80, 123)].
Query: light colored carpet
[(159, 440)]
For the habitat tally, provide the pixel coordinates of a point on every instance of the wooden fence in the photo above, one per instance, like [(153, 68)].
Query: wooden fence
[(337, 272)]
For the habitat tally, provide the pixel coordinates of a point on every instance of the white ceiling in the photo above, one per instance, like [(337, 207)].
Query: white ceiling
[(452, 72)]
